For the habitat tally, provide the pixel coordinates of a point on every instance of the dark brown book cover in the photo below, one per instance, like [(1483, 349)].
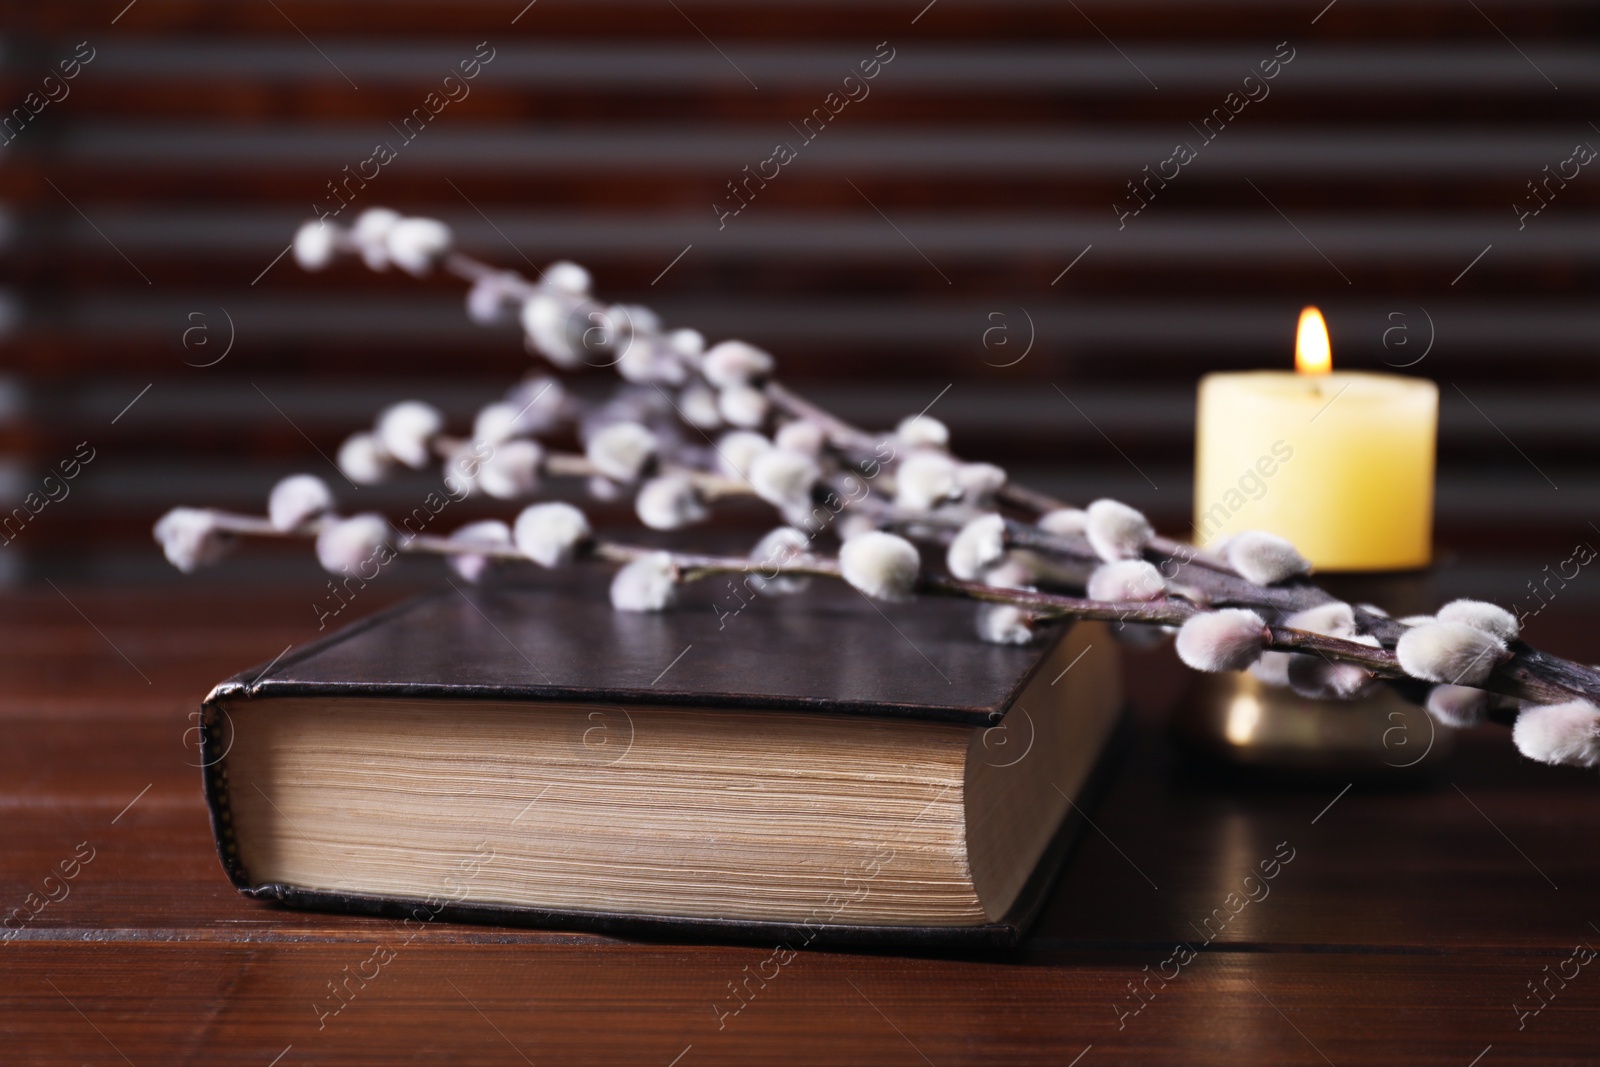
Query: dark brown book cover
[(829, 650)]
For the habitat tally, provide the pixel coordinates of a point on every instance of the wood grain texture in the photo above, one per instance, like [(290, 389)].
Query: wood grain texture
[(1406, 925)]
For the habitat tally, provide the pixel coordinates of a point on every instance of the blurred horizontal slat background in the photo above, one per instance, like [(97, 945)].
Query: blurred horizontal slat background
[(954, 228)]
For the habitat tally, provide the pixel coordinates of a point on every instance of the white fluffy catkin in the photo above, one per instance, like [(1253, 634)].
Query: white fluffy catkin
[(784, 479), (649, 583), (1263, 558), (732, 363), (1449, 652), (801, 435), (349, 546), (1273, 668), (1117, 531), (603, 488), (487, 299), (371, 228), (1013, 572), (548, 319), (979, 482), (851, 523), (1481, 615), (669, 503), (364, 460), (406, 429), (1459, 706), (978, 546), (698, 406), (621, 450), (1064, 522), (489, 533), (925, 480), (315, 244), (1336, 619), (675, 355), (549, 533), (1227, 640), (567, 277), (459, 472), (649, 360), (779, 547), (737, 449), (416, 244), (298, 499), (1311, 675), (541, 402), (496, 422), (881, 565), (512, 471), (1004, 624), (742, 405), (1126, 579), (1323, 679), (190, 538), (922, 431), (691, 344), (1559, 733)]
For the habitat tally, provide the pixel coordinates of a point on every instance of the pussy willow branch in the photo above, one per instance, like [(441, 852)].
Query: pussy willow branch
[(711, 486), (1528, 673), (692, 567), (852, 441), (845, 437)]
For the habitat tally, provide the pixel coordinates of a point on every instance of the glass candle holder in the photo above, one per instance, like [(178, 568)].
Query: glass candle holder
[(1238, 719)]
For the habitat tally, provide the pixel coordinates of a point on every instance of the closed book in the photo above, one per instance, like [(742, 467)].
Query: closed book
[(816, 767)]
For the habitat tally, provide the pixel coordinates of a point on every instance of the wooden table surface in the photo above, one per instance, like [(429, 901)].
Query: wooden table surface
[(1403, 930)]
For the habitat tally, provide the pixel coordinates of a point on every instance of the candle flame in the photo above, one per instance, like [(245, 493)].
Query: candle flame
[(1312, 353)]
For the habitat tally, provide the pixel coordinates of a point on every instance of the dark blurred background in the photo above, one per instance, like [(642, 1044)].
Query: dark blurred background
[(955, 229)]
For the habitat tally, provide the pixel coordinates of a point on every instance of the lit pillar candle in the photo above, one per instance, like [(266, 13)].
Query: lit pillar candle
[(1339, 463)]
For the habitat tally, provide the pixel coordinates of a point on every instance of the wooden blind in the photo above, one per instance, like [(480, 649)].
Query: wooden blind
[(997, 219)]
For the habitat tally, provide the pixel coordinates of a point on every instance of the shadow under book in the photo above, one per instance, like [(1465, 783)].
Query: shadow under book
[(815, 766)]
